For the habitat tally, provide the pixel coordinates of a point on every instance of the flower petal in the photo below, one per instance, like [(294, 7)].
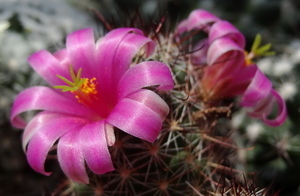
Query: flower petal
[(43, 131), (225, 58), (44, 98), (217, 50), (145, 74), (115, 52), (200, 54), (106, 50), (265, 107), (258, 89), (225, 29), (48, 66), (197, 19), (70, 156), (63, 58), (43, 120), (137, 116), (262, 107), (240, 81), (81, 50), (130, 45), (281, 114), (259, 96), (110, 134), (152, 101), (94, 147)]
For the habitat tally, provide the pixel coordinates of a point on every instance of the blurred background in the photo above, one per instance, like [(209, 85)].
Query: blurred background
[(30, 25)]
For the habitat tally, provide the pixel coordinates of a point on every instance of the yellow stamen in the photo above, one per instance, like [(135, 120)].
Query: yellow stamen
[(84, 89), (89, 86)]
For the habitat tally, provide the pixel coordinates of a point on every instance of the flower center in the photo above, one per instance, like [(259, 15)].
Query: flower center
[(84, 89), (249, 57), (257, 50)]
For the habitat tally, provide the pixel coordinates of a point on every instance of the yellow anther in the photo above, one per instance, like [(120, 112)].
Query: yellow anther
[(89, 86)]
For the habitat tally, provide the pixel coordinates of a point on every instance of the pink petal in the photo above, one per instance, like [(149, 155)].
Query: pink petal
[(282, 113), (44, 98), (47, 66), (152, 101), (70, 156), (114, 54), (145, 74), (198, 19), (94, 147), (182, 27), (137, 116), (259, 96), (34, 126), (200, 54), (262, 107), (225, 58), (240, 81), (43, 131), (218, 52), (81, 50), (63, 58), (130, 45), (225, 29), (259, 88), (106, 49)]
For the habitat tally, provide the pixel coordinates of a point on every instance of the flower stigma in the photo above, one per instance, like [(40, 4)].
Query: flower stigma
[(249, 57), (84, 89), (257, 50)]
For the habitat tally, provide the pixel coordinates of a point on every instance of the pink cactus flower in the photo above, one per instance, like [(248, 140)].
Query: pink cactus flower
[(229, 70), (96, 87)]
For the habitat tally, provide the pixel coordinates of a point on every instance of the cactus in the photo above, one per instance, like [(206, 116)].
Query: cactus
[(197, 151)]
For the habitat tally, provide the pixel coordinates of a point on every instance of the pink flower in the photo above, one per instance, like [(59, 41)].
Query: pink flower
[(229, 70), (97, 87)]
